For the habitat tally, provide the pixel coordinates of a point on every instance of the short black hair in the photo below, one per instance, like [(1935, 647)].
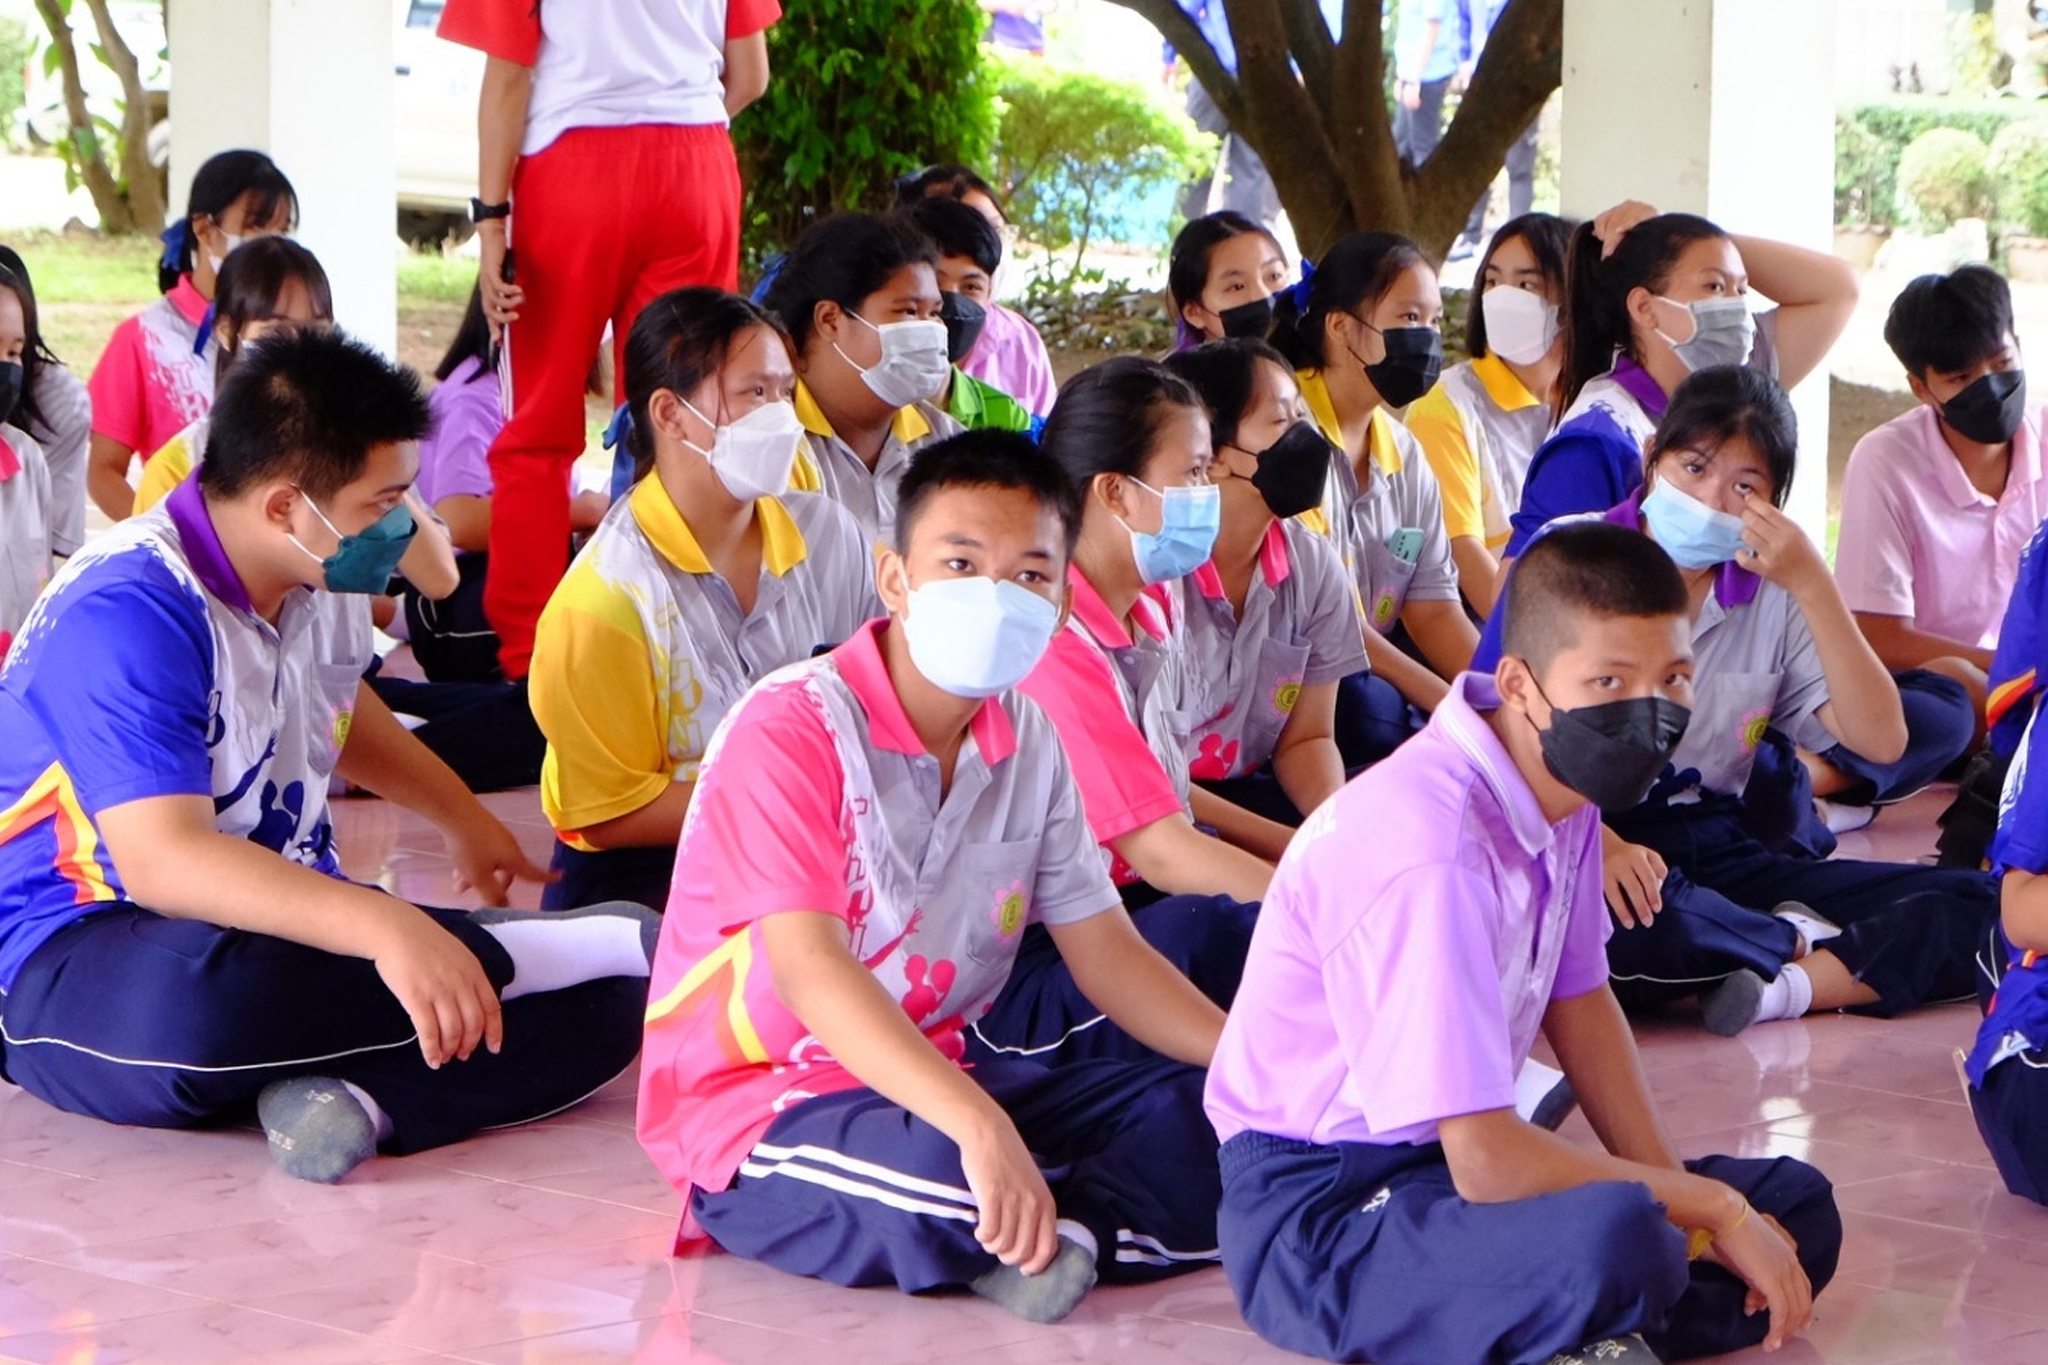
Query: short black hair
[(221, 179), (679, 340), (255, 275), (1943, 323), (986, 459), (1723, 402), (1224, 375), (949, 180), (1187, 264), (1585, 569), (1548, 238), (1107, 418), (957, 230), (1356, 273), (308, 406), (36, 355), (844, 258)]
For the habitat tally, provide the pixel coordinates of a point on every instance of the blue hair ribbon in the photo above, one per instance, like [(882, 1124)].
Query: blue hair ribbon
[(175, 238), (616, 429), (1301, 289)]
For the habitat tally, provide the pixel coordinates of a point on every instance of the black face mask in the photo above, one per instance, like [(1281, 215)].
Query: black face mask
[(10, 389), (1293, 470), (1989, 409), (1253, 319), (1612, 753), (964, 319), (1415, 356)]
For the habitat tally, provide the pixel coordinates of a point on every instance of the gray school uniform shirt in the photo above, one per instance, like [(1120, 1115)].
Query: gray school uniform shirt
[(828, 465), (1400, 493)]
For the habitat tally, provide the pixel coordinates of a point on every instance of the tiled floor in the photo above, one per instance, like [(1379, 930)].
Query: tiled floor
[(550, 1244)]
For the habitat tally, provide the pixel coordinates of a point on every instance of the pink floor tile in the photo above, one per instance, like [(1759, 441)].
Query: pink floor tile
[(36, 1296), (675, 1339), (450, 1307), (658, 1283), (246, 1262), (500, 1221), (205, 1334)]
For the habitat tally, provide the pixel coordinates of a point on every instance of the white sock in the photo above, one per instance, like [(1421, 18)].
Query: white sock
[(378, 1117), (1788, 997), (550, 951), (1533, 1084), (1812, 928)]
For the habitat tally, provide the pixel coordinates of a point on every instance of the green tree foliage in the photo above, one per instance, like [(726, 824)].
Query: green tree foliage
[(1943, 176), (863, 91), (1076, 153), (2019, 168)]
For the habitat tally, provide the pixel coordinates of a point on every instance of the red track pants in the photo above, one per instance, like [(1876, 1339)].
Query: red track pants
[(606, 220)]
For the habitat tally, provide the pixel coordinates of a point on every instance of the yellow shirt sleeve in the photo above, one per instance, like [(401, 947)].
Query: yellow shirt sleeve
[(1435, 423), (592, 689), (162, 472)]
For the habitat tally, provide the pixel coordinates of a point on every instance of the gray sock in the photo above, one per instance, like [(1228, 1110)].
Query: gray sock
[(1733, 1005), (316, 1128), (1049, 1295)]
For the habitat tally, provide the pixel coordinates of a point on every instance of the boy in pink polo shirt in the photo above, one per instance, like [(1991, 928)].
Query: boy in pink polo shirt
[(1381, 1200), (870, 835), (1938, 503)]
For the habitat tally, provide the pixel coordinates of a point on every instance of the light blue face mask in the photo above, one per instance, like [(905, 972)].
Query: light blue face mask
[(975, 637), (1692, 533), (365, 561), (1186, 536)]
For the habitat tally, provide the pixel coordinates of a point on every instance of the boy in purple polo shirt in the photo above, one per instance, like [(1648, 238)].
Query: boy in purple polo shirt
[(1381, 1200)]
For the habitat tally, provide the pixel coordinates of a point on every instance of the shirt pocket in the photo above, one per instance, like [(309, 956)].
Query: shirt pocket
[(1384, 589), (993, 884), (1730, 713), (1283, 663), (330, 713)]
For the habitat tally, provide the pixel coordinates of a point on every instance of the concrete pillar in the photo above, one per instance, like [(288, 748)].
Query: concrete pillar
[(310, 82), (1723, 108)]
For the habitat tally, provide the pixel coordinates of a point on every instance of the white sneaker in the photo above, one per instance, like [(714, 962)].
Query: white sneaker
[(1841, 819)]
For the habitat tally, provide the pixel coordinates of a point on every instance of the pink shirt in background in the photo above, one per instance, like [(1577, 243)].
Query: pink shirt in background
[(468, 414), (1012, 356), (1416, 930), (1919, 541), (151, 383)]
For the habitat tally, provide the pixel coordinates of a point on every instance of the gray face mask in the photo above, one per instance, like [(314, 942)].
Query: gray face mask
[(1722, 332)]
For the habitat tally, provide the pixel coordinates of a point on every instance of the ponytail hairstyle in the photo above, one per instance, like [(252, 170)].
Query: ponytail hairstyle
[(1354, 275), (1224, 375), (844, 258), (472, 340), (224, 178), (1715, 406), (679, 340), (1106, 419), (1548, 238), (252, 285), (1595, 319), (36, 355), (1187, 267)]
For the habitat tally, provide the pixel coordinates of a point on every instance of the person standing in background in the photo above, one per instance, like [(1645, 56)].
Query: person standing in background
[(1425, 61), (608, 125)]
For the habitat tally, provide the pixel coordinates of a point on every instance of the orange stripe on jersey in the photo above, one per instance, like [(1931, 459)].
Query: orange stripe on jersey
[(51, 797), (723, 971), (2005, 694)]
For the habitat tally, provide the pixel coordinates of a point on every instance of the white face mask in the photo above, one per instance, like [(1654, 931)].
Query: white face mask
[(975, 637), (753, 456), (215, 261), (913, 366), (1520, 325)]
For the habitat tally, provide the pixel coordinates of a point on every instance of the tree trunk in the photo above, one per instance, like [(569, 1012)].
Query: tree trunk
[(1316, 112), (85, 140), (145, 191)]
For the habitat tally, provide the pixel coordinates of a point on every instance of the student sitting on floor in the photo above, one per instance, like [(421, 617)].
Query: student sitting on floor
[(27, 512), (1938, 502), (970, 251), (55, 411), (1221, 278), (871, 832), (700, 582), (1704, 908), (859, 296), (1272, 622), (178, 940), (1381, 1200)]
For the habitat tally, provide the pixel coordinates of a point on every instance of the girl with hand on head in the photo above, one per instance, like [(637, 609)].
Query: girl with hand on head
[(1363, 332), (1272, 622), (1704, 908), (860, 298), (1482, 423), (706, 577), (156, 376), (1653, 298), (1221, 278)]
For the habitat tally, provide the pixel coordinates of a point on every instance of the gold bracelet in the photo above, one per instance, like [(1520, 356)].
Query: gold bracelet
[(1699, 1240)]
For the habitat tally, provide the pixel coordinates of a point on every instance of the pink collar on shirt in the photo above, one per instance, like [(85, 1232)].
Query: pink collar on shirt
[(860, 663), (190, 303), (1273, 562), (1734, 586), (10, 463), (1149, 611), (1640, 386), (208, 557), (2022, 472)]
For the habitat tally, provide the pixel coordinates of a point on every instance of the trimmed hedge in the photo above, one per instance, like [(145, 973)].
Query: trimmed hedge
[(1871, 137)]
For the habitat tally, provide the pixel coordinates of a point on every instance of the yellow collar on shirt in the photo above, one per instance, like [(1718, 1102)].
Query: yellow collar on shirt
[(661, 521), (1386, 452), (907, 425), (1508, 393)]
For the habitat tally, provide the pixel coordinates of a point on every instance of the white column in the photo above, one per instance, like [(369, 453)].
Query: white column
[(1723, 108), (309, 82)]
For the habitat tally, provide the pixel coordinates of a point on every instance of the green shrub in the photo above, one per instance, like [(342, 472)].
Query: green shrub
[(1870, 137), (16, 47), (1866, 175), (1944, 178), (1079, 155), (2019, 168), (863, 91)]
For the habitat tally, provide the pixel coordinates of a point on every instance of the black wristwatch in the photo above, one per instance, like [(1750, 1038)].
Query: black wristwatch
[(480, 212)]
